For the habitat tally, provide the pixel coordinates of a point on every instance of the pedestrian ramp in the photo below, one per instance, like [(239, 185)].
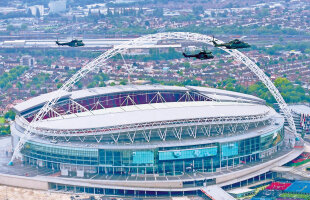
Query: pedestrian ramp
[(215, 192)]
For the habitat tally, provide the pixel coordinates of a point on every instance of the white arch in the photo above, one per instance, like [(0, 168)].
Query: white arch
[(139, 42)]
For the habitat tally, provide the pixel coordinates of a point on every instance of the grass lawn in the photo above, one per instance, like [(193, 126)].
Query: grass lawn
[(2, 120), (301, 196)]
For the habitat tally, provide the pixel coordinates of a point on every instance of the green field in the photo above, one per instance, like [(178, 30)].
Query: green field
[(300, 196), (2, 120)]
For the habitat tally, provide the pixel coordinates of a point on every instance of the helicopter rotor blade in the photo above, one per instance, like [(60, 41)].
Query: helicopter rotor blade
[(242, 37)]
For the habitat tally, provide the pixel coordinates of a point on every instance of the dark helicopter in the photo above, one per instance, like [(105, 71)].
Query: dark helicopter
[(202, 55), (234, 44), (72, 43)]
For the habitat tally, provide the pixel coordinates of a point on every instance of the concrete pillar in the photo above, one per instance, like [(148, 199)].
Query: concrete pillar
[(220, 164), (227, 164), (203, 165), (164, 169)]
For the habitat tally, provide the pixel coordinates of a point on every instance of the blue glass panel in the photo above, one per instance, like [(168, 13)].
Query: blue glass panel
[(230, 149), (143, 157), (185, 154), (62, 150)]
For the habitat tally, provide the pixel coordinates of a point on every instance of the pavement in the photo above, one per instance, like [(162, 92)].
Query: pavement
[(18, 169)]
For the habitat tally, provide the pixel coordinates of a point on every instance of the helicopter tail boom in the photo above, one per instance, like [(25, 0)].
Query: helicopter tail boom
[(187, 56), (59, 44)]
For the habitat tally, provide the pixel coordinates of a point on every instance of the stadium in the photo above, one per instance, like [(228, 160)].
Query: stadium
[(301, 115), (153, 140)]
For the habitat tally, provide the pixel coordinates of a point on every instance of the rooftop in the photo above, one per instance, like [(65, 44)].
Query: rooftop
[(156, 112), (220, 95), (300, 109)]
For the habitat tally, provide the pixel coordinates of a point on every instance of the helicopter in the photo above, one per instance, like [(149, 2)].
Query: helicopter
[(234, 44), (72, 43), (202, 55)]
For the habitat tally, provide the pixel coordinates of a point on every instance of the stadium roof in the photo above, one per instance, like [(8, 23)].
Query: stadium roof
[(300, 109), (225, 94), (126, 88), (152, 113), (38, 101), (220, 95)]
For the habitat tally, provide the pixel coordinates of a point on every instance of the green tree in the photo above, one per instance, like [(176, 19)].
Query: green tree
[(38, 13), (59, 85), (10, 115), (186, 65), (123, 82)]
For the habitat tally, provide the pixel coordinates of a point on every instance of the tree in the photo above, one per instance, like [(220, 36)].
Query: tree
[(123, 82), (10, 115), (91, 84), (79, 84), (29, 13), (10, 28), (74, 18), (102, 84), (197, 10), (158, 12), (109, 13), (59, 85), (38, 15), (186, 65), (23, 26), (19, 85)]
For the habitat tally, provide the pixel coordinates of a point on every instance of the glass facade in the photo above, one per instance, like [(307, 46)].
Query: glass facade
[(187, 154), (162, 161), (60, 154), (269, 140)]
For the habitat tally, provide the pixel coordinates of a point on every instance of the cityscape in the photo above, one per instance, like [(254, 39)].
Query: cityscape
[(155, 99)]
